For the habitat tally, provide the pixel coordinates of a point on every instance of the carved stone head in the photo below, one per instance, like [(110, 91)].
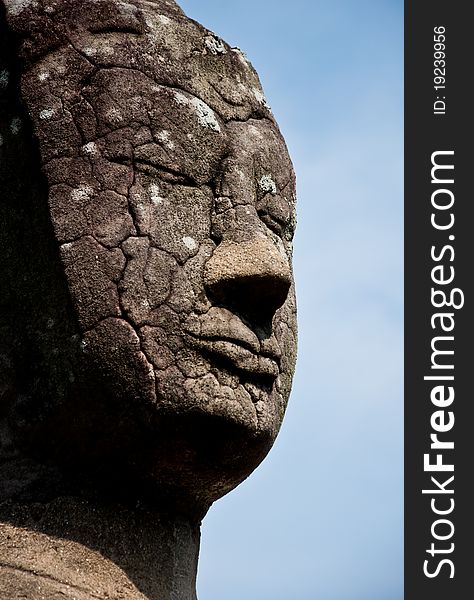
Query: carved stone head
[(155, 332)]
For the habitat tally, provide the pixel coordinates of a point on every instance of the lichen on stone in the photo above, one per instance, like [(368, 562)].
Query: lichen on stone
[(155, 194), (215, 45), (190, 243), (267, 185), (82, 193), (260, 96), (164, 137), (90, 149), (4, 79), (206, 116), (15, 7), (46, 114), (15, 126)]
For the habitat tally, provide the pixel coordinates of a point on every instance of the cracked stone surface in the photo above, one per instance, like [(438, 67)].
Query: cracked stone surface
[(147, 307), (148, 313)]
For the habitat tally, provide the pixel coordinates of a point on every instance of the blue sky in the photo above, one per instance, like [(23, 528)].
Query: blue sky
[(321, 518)]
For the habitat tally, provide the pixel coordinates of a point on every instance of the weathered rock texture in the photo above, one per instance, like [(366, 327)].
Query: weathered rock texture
[(147, 313), (69, 549)]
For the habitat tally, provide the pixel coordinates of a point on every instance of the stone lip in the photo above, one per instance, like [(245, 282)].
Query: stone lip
[(224, 334), (239, 355)]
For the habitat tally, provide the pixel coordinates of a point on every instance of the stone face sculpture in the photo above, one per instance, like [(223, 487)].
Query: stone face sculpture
[(148, 325)]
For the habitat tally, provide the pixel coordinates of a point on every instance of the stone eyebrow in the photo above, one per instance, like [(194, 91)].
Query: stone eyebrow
[(126, 20)]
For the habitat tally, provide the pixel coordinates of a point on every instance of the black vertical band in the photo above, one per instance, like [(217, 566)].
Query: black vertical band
[(439, 270)]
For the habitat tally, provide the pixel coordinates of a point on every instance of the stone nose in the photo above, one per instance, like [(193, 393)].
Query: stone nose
[(251, 277)]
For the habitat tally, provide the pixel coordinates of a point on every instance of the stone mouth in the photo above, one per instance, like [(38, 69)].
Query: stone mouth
[(240, 354)]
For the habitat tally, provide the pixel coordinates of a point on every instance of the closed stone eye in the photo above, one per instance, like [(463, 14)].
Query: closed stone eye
[(273, 222), (274, 211), (165, 174), (126, 24)]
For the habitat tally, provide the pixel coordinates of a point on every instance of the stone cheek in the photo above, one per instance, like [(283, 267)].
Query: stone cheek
[(118, 346), (93, 273), (177, 219)]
